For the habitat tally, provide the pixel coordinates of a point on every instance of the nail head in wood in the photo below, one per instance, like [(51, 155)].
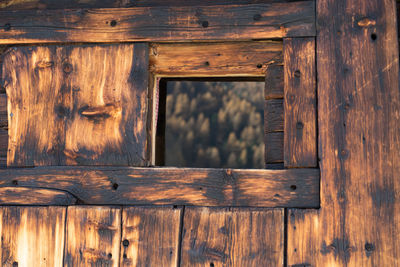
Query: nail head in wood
[(257, 17), (7, 27), (299, 125), (115, 186), (67, 67)]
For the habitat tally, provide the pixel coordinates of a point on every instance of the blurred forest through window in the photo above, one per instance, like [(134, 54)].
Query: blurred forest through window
[(215, 124)]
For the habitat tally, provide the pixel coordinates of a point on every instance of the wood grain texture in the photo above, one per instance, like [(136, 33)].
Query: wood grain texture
[(300, 103), (273, 115), (274, 147), (32, 236), (73, 105), (232, 237), (34, 196), (3, 111), (234, 22), (298, 238), (359, 136), (3, 147), (274, 80), (213, 59), (150, 236), (174, 186), (60, 4), (93, 236)]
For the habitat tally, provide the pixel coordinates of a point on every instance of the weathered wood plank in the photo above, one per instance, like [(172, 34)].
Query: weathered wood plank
[(57, 4), (3, 111), (150, 236), (300, 103), (232, 237), (273, 116), (32, 236), (359, 139), (3, 130), (3, 147), (274, 85), (93, 236), (298, 238), (175, 186), (72, 105), (213, 59), (34, 196), (234, 22), (274, 147)]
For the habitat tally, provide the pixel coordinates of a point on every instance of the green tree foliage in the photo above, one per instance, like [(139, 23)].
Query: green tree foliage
[(215, 124)]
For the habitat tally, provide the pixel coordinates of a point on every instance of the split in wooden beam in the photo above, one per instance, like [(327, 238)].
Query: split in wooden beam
[(227, 22), (164, 186)]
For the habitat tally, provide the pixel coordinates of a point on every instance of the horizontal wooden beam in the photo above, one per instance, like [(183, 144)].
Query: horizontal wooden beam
[(227, 22), (57, 4), (168, 186), (227, 59), (14, 195)]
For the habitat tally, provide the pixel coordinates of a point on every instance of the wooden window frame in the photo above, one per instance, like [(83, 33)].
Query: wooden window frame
[(205, 187)]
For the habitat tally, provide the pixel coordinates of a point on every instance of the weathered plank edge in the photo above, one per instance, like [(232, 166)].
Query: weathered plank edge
[(171, 186), (240, 22)]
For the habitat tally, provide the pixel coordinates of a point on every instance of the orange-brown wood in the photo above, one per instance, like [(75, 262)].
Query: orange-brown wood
[(12, 195), (77, 105), (213, 59), (173, 186), (53, 4), (359, 129), (232, 237), (160, 23), (300, 104), (93, 236), (32, 236), (150, 236)]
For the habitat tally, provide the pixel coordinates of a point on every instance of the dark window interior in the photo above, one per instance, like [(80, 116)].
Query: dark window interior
[(211, 123)]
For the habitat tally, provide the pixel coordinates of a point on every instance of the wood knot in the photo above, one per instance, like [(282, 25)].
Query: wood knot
[(106, 111), (44, 64), (366, 22)]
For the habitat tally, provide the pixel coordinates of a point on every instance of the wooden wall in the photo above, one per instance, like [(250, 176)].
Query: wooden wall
[(358, 125), (347, 78)]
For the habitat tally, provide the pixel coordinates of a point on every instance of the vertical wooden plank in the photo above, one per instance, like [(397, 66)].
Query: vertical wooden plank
[(300, 103), (150, 236), (274, 114), (232, 237), (93, 236), (359, 140), (3, 130), (77, 105), (32, 236)]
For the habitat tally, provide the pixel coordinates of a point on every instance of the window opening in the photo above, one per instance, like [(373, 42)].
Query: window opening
[(211, 123)]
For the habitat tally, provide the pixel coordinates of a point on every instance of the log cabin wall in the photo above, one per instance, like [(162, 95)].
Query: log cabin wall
[(77, 113)]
